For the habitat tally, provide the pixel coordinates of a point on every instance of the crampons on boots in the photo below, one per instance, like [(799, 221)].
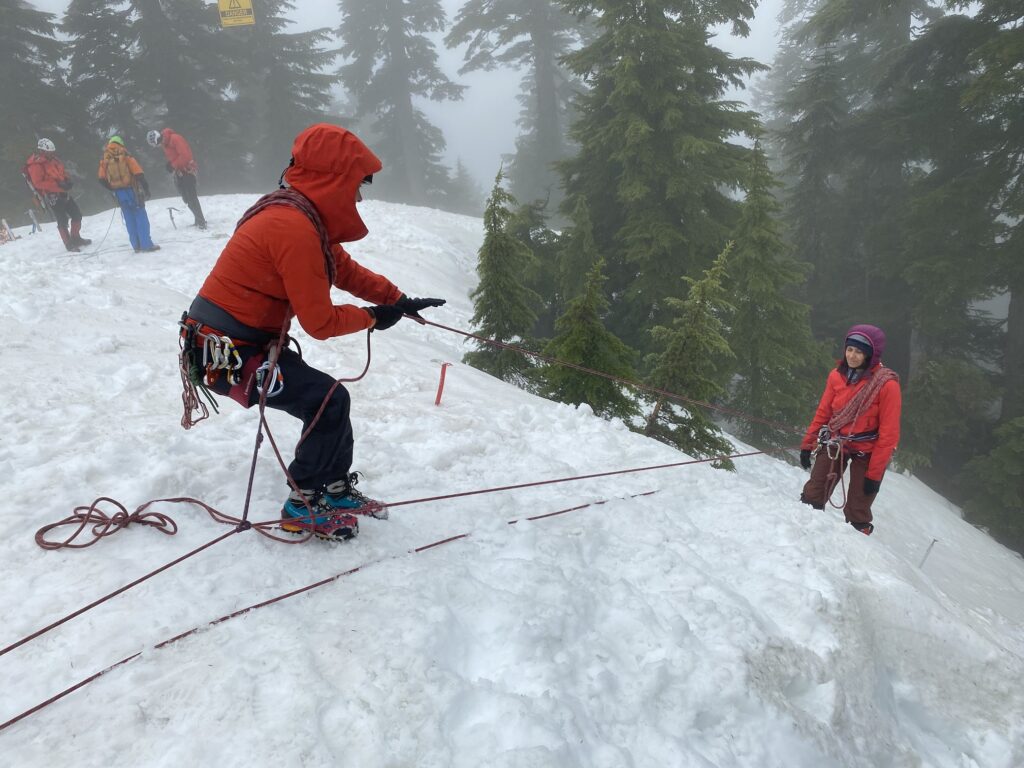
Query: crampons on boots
[(865, 528), (325, 523), (342, 496)]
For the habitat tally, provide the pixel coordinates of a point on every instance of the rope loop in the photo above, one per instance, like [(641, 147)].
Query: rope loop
[(104, 525)]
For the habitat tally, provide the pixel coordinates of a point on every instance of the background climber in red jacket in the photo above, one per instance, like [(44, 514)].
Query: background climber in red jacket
[(47, 176), (857, 423), (183, 166), (281, 263)]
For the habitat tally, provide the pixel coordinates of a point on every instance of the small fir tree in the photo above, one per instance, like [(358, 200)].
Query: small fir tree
[(997, 485), (777, 361), (583, 340), (504, 308), (694, 361)]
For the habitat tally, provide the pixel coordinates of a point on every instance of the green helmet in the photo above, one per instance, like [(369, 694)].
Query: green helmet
[(116, 140)]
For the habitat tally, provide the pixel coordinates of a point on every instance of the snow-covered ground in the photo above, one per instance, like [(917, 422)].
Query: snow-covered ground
[(717, 622)]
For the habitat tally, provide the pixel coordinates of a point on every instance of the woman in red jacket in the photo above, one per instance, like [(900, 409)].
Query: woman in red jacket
[(857, 423), (280, 264), (46, 174)]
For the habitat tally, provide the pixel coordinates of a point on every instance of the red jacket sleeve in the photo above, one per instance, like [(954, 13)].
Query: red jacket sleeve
[(300, 263), (822, 414), (890, 405), (361, 282)]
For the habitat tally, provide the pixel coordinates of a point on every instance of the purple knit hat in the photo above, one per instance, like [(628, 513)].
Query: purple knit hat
[(869, 339)]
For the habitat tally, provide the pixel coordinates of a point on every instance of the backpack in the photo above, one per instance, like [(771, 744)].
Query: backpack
[(119, 173)]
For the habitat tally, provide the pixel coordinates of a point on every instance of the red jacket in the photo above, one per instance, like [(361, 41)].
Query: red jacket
[(46, 173), (882, 416), (273, 267), (177, 151)]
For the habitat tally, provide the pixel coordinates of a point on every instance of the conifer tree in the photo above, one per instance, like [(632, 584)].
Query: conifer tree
[(997, 485), (160, 64), (283, 85), (655, 158), (694, 361), (532, 35), (583, 340), (392, 61), (769, 333), (463, 193), (504, 308), (578, 253), (529, 225), (30, 92)]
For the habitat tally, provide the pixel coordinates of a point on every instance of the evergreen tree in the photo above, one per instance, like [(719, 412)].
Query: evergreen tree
[(180, 73), (392, 62), (529, 225), (463, 193), (583, 340), (151, 64), (578, 253), (997, 484), (30, 91), (283, 86), (504, 309), (532, 35), (655, 160), (770, 334), (694, 362)]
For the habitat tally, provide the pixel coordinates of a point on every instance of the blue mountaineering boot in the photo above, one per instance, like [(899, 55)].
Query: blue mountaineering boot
[(324, 522), (342, 495)]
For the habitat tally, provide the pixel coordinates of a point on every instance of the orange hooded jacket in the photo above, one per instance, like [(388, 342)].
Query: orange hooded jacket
[(177, 151), (273, 266), (46, 172)]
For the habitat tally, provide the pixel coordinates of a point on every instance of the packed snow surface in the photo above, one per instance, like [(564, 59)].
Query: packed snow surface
[(716, 622)]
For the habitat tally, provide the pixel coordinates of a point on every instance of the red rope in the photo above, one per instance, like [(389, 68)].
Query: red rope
[(277, 599), (628, 382)]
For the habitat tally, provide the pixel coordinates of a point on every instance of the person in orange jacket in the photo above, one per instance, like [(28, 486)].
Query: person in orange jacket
[(857, 423), (46, 174), (281, 262), (180, 163), (122, 175)]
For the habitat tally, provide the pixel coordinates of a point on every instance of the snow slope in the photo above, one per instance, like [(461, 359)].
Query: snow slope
[(716, 622)]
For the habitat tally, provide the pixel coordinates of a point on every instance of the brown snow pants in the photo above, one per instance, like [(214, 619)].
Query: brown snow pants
[(818, 489)]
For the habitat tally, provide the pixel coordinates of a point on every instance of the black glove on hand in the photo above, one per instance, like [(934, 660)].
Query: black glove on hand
[(871, 486), (386, 315), (413, 306), (65, 184), (106, 184), (805, 458)]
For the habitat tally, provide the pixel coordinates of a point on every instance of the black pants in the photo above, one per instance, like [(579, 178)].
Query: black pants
[(325, 456), (64, 208), (186, 186)]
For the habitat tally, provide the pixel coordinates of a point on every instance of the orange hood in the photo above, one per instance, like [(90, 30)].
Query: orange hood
[(330, 164)]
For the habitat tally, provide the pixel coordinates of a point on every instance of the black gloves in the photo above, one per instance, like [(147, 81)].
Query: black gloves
[(805, 458), (65, 184), (871, 486), (169, 167), (385, 315), (413, 306), (106, 184), (144, 185)]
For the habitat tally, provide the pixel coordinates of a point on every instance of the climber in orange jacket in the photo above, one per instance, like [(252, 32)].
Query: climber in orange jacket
[(857, 423), (281, 263), (46, 174)]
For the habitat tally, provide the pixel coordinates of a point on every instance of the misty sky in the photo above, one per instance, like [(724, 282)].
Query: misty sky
[(482, 127)]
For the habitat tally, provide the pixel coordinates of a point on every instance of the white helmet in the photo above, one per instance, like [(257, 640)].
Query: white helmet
[(46, 145), (153, 137)]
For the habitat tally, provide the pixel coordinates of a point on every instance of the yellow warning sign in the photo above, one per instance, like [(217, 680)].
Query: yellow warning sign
[(235, 13)]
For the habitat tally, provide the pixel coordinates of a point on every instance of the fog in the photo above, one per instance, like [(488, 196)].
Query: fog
[(482, 127)]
